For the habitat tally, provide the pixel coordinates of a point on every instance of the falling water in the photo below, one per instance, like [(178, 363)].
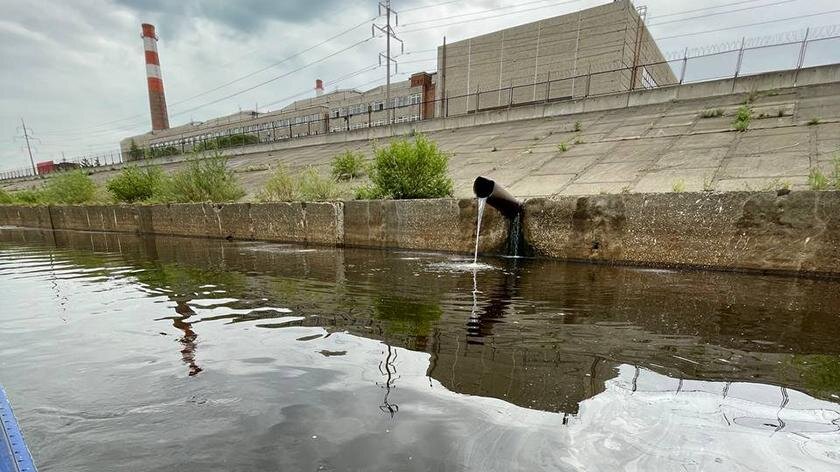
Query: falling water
[(515, 235), (481, 203)]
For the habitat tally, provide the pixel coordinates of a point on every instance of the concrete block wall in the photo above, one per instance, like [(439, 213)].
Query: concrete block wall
[(797, 232)]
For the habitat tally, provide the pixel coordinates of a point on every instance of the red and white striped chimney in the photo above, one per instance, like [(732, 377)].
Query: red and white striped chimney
[(157, 101), (319, 87)]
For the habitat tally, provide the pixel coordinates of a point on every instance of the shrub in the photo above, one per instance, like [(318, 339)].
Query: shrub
[(5, 197), (134, 184), (742, 118), (203, 180), (407, 169), (70, 187), (817, 180), (280, 187), (314, 188), (348, 165), (30, 196), (369, 192)]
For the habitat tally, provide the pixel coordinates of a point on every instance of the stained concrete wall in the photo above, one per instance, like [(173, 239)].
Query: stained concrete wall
[(442, 225), (796, 232)]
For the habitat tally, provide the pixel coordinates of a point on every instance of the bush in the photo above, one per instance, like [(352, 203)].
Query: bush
[(31, 196), (306, 186), (408, 169), (222, 142), (70, 187), (314, 188), (134, 184), (203, 180), (280, 187), (5, 197), (348, 165)]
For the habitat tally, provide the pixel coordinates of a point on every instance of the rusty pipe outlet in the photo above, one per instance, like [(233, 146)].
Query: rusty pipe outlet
[(497, 197)]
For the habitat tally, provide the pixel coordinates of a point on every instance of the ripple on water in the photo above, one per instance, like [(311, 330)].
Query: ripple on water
[(460, 266)]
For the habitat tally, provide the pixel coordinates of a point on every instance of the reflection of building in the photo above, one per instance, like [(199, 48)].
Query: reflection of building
[(508, 66)]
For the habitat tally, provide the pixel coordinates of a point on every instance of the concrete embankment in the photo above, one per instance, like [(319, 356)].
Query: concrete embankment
[(796, 232)]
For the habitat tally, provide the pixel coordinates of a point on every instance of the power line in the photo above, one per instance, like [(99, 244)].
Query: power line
[(747, 25), (720, 13)]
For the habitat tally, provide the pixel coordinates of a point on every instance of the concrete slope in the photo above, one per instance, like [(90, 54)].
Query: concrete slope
[(660, 147)]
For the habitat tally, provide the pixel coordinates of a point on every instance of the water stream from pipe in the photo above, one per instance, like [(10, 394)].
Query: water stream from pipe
[(481, 204)]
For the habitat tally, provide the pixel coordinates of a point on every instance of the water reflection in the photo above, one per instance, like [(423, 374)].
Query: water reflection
[(603, 366)]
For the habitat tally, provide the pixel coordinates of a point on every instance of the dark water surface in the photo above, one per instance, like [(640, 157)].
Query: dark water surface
[(161, 354)]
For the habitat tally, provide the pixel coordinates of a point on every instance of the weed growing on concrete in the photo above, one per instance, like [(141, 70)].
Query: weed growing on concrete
[(742, 118), (135, 184), (813, 121), (202, 180), (817, 180), (835, 174), (711, 113), (776, 184), (579, 140), (562, 147), (348, 165), (708, 184), (577, 127), (314, 188), (409, 169), (678, 186)]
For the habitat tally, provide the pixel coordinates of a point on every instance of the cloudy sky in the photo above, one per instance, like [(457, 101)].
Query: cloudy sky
[(74, 69)]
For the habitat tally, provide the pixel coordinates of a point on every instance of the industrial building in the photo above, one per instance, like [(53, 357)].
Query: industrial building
[(600, 50)]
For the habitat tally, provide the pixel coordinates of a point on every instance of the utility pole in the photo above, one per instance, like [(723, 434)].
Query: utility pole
[(28, 147), (389, 33)]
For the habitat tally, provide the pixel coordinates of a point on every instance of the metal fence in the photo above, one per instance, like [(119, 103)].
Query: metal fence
[(790, 51), (97, 161)]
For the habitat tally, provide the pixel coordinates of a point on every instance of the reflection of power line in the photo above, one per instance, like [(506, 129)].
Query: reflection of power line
[(389, 370)]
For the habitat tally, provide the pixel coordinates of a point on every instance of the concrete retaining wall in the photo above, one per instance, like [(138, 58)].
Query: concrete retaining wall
[(443, 225), (796, 232)]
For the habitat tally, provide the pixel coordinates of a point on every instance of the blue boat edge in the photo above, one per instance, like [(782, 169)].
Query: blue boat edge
[(14, 453)]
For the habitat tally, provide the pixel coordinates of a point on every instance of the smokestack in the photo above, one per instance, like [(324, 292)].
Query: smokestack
[(157, 101), (319, 87)]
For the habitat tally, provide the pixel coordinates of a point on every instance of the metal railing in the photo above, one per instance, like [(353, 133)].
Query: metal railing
[(598, 80)]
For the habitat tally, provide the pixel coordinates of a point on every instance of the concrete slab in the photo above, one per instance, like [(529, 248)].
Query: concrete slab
[(688, 180), (691, 159), (705, 140), (761, 184), (723, 123), (667, 131), (596, 188), (782, 164), (562, 164), (639, 150), (540, 185), (764, 142), (630, 131), (614, 172)]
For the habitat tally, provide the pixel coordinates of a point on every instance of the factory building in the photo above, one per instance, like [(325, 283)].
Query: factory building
[(600, 50)]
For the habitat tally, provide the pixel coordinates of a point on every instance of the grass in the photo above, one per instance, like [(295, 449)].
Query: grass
[(817, 180), (678, 186), (711, 113), (5, 197), (835, 161), (813, 121), (309, 185), (202, 180), (742, 118), (135, 184), (348, 165), (562, 147), (577, 127), (409, 169), (579, 140)]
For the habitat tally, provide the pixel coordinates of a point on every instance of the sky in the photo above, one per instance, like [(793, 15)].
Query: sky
[(74, 69)]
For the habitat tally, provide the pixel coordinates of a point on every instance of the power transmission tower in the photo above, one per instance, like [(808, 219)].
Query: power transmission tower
[(388, 31), (26, 136)]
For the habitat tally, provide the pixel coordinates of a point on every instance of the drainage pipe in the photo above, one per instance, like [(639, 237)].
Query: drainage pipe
[(497, 197)]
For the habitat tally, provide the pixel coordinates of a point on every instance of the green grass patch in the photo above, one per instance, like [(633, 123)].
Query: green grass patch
[(678, 186), (308, 186), (817, 180)]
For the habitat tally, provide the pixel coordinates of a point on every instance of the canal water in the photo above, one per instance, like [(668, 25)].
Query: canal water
[(157, 354)]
